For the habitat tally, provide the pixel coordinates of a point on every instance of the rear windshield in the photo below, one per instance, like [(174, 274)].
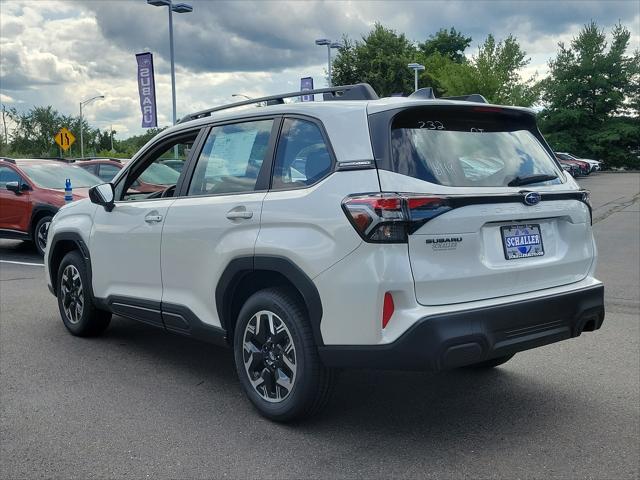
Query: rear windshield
[(471, 147)]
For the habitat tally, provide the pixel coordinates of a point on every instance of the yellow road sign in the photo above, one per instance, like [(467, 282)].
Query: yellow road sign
[(64, 138)]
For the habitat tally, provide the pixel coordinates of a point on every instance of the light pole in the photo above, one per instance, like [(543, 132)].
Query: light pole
[(330, 45), (85, 102), (178, 8), (241, 95), (416, 67)]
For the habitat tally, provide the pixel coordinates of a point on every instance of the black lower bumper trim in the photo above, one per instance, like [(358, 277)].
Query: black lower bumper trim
[(456, 339)]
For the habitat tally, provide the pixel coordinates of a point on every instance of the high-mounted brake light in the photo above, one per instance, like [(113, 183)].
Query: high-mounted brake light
[(488, 109), (391, 217)]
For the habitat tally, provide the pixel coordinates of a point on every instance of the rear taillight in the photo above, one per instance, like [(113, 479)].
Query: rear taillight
[(391, 217)]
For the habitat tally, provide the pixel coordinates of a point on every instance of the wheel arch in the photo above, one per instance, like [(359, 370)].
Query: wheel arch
[(61, 244), (246, 275), (37, 213)]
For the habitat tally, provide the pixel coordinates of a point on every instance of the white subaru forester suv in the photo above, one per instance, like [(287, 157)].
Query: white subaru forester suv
[(395, 233)]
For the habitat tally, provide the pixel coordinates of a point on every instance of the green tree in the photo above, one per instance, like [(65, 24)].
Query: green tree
[(132, 144), (34, 131), (494, 72), (104, 140), (380, 59), (448, 43), (591, 97)]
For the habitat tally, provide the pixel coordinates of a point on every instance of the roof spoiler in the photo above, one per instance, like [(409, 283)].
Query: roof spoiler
[(474, 97), (428, 93), (359, 91)]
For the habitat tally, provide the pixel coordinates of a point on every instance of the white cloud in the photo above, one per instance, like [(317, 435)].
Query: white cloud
[(57, 53)]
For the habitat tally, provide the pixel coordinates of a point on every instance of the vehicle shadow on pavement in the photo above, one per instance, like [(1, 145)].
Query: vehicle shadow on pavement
[(505, 401)]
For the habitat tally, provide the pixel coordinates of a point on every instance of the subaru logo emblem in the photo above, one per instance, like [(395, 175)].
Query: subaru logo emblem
[(532, 198)]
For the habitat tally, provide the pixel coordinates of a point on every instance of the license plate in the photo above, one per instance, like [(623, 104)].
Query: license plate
[(522, 241)]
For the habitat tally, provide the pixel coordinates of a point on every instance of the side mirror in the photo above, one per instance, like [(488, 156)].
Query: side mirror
[(17, 187), (104, 195)]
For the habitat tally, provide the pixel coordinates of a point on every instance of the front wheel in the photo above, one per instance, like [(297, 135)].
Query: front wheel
[(78, 312), (276, 357), (41, 233)]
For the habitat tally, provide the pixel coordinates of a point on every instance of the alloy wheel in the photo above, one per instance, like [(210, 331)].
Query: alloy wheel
[(72, 294), (42, 235), (269, 356)]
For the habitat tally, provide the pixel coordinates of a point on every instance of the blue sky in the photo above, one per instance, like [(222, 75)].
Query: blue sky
[(61, 52)]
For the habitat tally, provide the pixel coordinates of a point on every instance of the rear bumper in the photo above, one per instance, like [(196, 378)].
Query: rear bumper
[(456, 339)]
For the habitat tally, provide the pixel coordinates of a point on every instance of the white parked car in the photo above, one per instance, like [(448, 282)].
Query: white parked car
[(395, 233)]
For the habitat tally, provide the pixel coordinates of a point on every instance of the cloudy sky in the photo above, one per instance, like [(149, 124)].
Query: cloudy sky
[(57, 53)]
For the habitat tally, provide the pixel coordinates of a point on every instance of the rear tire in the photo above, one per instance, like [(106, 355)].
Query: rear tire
[(276, 357), (75, 302), (491, 363)]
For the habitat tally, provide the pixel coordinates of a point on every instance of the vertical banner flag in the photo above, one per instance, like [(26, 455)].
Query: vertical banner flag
[(147, 89), (306, 83)]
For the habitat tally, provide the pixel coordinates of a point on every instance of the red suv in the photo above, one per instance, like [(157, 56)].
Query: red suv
[(32, 191)]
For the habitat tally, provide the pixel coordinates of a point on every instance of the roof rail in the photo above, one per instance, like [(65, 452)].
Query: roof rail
[(57, 159), (7, 159), (474, 97), (360, 91), (86, 159)]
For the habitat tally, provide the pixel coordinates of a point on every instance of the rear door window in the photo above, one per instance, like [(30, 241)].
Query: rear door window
[(231, 158), (302, 157), (469, 147)]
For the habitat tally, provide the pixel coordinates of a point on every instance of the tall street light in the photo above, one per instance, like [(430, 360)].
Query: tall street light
[(82, 104), (330, 45), (178, 8), (416, 67)]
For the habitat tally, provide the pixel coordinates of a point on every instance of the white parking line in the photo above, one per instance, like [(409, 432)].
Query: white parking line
[(23, 263)]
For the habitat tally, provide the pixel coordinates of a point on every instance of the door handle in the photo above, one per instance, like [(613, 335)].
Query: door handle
[(153, 218), (239, 213)]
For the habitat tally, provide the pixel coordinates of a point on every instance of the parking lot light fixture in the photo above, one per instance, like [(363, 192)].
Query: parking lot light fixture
[(177, 8), (329, 44), (82, 104), (416, 67), (182, 8)]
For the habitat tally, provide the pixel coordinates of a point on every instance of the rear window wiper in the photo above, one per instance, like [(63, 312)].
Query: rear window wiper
[(527, 179)]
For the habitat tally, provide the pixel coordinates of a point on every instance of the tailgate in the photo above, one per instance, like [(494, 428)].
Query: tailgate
[(460, 256)]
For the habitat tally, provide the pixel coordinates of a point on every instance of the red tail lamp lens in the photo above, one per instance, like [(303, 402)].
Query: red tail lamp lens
[(387, 309)]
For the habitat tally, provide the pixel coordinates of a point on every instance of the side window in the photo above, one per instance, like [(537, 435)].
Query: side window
[(107, 172), (150, 177), (303, 157), (231, 158), (89, 168), (8, 175)]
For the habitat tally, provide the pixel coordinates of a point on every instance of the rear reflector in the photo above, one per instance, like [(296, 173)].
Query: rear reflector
[(387, 309)]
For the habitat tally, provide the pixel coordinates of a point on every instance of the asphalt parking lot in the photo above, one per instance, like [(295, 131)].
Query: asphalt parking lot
[(140, 403)]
